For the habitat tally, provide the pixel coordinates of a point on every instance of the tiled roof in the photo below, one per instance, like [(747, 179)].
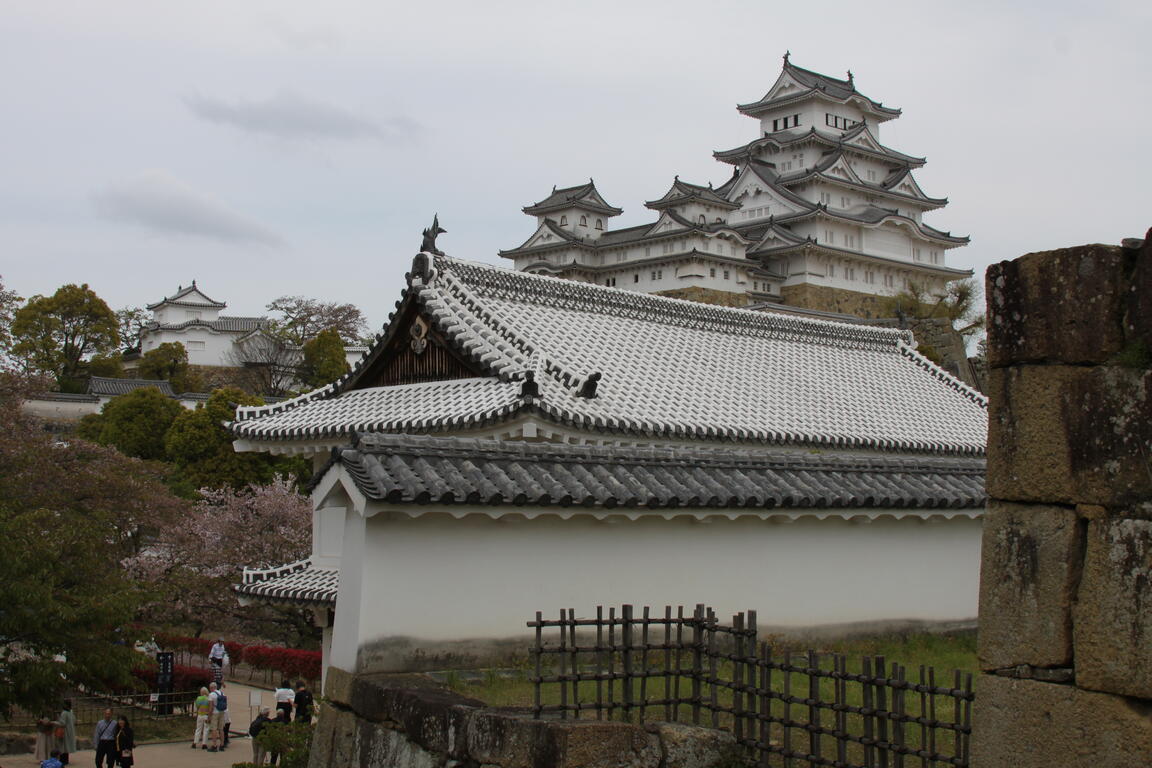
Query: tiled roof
[(180, 298), (98, 385), (582, 196), (782, 139), (682, 191), (814, 82), (655, 367), (295, 582), (223, 324), (401, 469)]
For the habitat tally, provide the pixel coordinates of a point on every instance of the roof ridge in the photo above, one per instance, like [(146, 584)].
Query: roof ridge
[(602, 300)]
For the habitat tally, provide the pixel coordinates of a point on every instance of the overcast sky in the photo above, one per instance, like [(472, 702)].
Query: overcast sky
[(273, 148)]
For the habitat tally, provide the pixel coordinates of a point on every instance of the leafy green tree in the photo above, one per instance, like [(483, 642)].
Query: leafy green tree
[(9, 302), (201, 448), (69, 513), (324, 359), (135, 423), (169, 362), (109, 366), (55, 333)]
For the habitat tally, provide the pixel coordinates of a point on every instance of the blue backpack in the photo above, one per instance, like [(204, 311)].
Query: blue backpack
[(221, 702)]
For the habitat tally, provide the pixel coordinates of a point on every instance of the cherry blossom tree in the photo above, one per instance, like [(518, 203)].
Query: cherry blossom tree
[(196, 564)]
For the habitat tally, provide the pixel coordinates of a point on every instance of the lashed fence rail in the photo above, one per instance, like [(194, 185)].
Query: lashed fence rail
[(791, 710)]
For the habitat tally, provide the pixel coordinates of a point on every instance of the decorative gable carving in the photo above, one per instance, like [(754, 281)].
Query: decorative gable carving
[(416, 353)]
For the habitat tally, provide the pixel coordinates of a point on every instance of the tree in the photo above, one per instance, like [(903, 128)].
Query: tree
[(201, 448), (131, 321), (196, 564), (109, 366), (324, 359), (959, 303), (9, 302), (55, 333), (135, 423), (69, 513), (169, 362), (303, 319), (271, 364)]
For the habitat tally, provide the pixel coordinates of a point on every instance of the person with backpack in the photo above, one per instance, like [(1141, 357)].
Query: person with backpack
[(225, 718), (216, 716), (262, 719)]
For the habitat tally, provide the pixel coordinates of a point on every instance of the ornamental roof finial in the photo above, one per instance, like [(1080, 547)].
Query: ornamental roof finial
[(428, 244), (849, 77)]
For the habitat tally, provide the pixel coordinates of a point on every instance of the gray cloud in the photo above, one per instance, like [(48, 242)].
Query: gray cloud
[(290, 116), (161, 203)]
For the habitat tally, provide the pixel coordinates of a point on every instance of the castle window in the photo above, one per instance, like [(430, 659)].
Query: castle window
[(829, 236), (636, 277), (831, 269), (583, 221), (712, 272), (192, 345), (563, 221), (599, 224), (725, 274), (659, 274), (916, 254), (783, 123), (845, 202), (702, 219), (871, 175), (825, 197), (835, 121), (719, 220), (653, 274)]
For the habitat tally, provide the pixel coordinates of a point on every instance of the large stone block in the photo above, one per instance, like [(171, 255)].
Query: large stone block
[(595, 744), (1062, 306), (1029, 571), (1113, 615), (1029, 724), (1070, 434), (690, 746)]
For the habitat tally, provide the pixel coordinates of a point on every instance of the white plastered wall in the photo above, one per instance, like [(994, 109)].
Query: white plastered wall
[(437, 577)]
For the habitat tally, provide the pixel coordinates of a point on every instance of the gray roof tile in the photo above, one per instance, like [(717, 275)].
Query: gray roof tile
[(670, 368), (297, 582), (99, 385), (404, 469)]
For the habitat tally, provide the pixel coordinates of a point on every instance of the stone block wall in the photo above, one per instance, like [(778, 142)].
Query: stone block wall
[(1066, 580), (407, 721)]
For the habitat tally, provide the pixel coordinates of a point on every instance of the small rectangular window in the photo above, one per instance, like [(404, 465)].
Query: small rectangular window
[(712, 272), (194, 344), (725, 274), (636, 277)]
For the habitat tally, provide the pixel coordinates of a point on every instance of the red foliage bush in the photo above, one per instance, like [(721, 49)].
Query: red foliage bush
[(288, 662)]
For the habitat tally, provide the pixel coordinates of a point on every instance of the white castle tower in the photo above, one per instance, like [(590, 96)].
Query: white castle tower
[(817, 214)]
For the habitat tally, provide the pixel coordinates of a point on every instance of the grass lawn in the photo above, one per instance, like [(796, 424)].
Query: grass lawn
[(944, 652)]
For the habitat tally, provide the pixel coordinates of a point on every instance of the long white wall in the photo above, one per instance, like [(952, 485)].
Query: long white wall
[(439, 578)]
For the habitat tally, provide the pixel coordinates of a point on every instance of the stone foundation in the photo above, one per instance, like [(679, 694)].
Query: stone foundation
[(828, 299), (1066, 582), (406, 721), (707, 296)]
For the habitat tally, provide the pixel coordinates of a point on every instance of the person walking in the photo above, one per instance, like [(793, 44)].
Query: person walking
[(284, 697), (125, 743), (202, 708), (214, 717), (45, 737), (104, 740), (303, 703), (258, 751), (225, 717), (216, 658), (67, 741)]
